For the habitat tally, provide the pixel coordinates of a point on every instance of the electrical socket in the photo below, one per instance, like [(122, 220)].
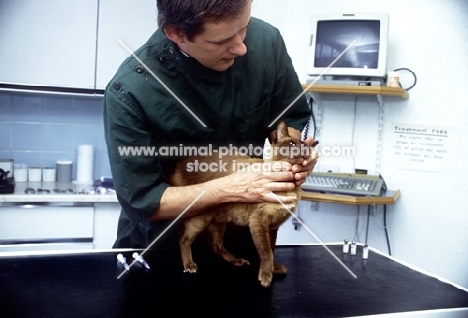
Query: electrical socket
[(314, 206)]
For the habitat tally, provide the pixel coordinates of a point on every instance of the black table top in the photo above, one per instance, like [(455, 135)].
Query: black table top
[(316, 285)]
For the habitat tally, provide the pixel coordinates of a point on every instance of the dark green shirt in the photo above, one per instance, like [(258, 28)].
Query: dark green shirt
[(236, 105)]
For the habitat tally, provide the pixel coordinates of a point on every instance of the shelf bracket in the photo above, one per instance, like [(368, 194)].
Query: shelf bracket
[(378, 155)]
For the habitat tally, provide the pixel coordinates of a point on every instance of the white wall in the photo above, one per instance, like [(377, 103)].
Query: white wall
[(428, 225)]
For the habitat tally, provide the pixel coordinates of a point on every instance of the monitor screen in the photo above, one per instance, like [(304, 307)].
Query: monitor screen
[(332, 33), (333, 37)]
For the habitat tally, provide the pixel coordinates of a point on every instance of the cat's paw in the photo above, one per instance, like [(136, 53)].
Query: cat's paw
[(239, 262), (279, 269), (265, 278), (190, 267)]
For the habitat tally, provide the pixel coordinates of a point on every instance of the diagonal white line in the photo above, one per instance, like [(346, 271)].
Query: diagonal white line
[(162, 83), (315, 236), (318, 77), (165, 230)]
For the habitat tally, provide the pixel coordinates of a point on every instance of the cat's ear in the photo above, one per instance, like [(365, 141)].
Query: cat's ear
[(282, 130), (272, 138)]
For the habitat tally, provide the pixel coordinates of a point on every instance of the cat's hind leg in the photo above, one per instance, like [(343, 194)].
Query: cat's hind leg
[(191, 228), (216, 232)]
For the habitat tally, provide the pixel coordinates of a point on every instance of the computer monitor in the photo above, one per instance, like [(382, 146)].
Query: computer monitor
[(332, 33)]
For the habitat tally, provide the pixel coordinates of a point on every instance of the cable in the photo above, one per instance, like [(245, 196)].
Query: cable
[(356, 233), (312, 116), (414, 76), (386, 231), (384, 221)]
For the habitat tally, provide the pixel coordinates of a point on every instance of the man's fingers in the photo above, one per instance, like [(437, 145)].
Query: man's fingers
[(278, 166), (272, 197), (301, 175), (280, 186)]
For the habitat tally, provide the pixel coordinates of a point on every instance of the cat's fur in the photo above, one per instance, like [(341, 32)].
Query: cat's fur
[(263, 219)]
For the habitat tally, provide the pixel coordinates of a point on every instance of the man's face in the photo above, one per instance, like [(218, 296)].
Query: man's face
[(219, 43)]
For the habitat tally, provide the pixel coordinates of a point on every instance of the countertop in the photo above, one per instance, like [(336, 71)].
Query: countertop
[(64, 192), (71, 192)]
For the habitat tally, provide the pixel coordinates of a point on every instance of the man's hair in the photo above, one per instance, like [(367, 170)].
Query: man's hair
[(190, 15)]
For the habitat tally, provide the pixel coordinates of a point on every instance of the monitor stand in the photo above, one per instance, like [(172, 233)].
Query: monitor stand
[(347, 80)]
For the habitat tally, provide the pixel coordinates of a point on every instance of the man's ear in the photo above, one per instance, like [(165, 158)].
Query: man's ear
[(174, 34)]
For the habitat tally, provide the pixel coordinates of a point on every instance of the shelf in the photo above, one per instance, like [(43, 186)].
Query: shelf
[(390, 197), (357, 90)]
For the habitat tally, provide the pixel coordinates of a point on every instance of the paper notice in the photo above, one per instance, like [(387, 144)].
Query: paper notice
[(426, 148)]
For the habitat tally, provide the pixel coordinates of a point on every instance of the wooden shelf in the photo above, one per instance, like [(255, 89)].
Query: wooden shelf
[(357, 90), (390, 197)]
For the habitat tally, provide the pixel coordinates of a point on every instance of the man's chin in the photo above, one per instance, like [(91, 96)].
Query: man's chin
[(223, 65)]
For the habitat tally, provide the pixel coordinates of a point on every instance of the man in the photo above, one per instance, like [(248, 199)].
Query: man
[(221, 78)]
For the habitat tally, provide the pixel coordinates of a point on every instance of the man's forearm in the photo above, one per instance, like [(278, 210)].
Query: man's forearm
[(176, 199), (237, 187)]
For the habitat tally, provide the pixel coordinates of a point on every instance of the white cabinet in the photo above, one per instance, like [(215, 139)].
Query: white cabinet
[(70, 44), (48, 42), (106, 218), (43, 227), (131, 22), (58, 226)]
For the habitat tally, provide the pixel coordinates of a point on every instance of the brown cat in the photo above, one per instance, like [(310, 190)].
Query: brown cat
[(263, 219)]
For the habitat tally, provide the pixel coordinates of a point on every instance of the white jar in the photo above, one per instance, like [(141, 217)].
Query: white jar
[(393, 79)]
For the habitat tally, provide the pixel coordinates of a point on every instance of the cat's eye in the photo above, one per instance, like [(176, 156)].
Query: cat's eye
[(292, 143)]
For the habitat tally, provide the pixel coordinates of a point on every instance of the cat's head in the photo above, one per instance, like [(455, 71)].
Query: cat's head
[(287, 148)]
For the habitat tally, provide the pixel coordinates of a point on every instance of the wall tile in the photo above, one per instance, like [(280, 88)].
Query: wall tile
[(87, 110), (86, 135), (5, 106), (102, 141), (57, 109), (57, 137), (26, 136), (31, 158), (5, 135), (49, 159), (27, 108), (6, 154), (102, 165), (40, 129)]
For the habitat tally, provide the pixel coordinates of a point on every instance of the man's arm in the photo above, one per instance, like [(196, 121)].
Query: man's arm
[(237, 187)]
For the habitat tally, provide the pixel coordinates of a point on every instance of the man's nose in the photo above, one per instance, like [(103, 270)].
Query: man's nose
[(238, 47)]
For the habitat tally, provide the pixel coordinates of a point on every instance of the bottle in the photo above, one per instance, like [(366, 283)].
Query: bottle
[(353, 248), (365, 252), (346, 247)]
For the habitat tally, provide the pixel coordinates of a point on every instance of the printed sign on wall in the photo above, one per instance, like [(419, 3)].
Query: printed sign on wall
[(426, 148)]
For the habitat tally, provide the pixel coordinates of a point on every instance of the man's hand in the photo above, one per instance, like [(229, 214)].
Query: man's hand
[(302, 171), (259, 186), (240, 186)]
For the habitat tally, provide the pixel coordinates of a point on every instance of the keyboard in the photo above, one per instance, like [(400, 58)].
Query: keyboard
[(343, 183)]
